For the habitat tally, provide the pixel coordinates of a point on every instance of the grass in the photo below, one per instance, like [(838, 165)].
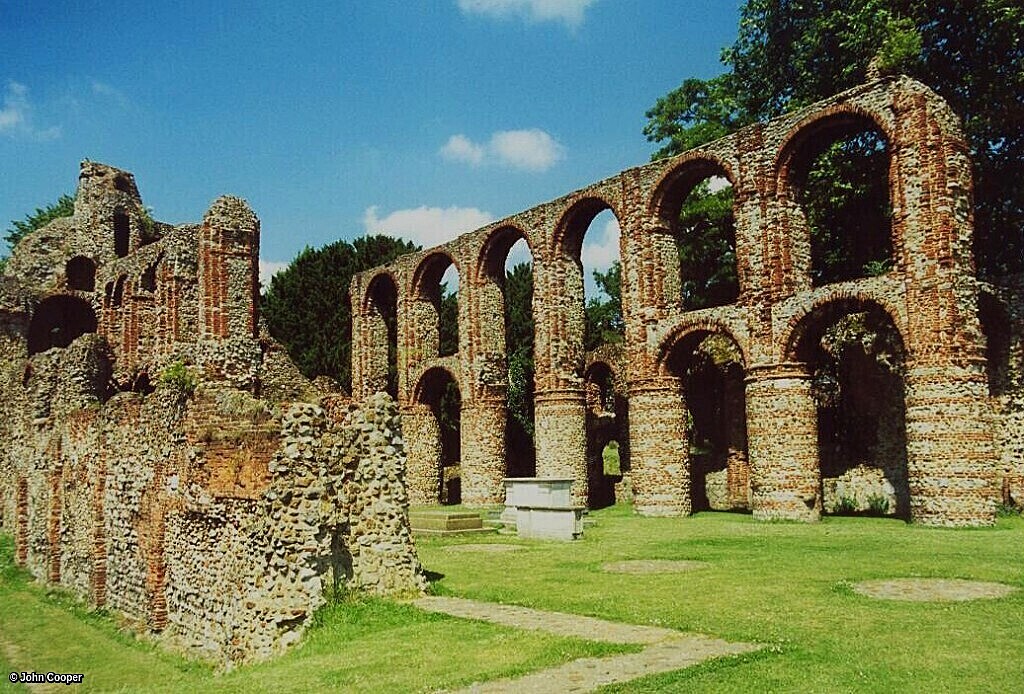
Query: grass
[(365, 645), (785, 585)]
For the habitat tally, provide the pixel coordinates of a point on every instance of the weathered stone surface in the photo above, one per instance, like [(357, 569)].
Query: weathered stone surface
[(962, 440), (155, 460)]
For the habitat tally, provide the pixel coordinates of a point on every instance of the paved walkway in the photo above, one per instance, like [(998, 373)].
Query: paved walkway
[(666, 649)]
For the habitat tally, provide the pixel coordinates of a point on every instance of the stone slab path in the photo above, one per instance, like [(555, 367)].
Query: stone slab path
[(666, 649)]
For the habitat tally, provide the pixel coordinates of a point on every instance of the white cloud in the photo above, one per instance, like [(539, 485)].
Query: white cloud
[(519, 253), (717, 183), (109, 91), (527, 150), (269, 268), (602, 249), (569, 11), (16, 118), (532, 150), (461, 148), (427, 226)]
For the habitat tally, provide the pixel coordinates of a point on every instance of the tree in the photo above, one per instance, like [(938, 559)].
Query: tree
[(307, 306), (790, 53), (64, 207), (519, 348), (603, 317)]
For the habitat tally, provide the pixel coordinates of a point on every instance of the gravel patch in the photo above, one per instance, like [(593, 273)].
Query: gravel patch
[(932, 589), (653, 566), (485, 547)]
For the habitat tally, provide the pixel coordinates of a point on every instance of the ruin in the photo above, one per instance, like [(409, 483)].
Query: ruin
[(162, 456), (943, 425)]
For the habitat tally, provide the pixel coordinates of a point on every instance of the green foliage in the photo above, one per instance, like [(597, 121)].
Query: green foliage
[(519, 347), (610, 459), (603, 323), (878, 505), (448, 323), (844, 506), (790, 53), (64, 207), (179, 378), (707, 248), (307, 306)]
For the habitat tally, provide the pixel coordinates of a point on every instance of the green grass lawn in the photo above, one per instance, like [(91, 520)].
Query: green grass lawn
[(784, 585)]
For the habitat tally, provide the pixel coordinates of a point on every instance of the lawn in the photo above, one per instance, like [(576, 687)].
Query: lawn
[(781, 584)]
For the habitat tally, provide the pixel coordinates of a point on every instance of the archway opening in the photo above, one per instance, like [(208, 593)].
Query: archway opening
[(121, 234), (697, 203), (439, 391), (710, 366), (840, 172), (81, 274), (508, 269), (382, 305), (437, 308), (58, 321), (607, 460), (856, 355)]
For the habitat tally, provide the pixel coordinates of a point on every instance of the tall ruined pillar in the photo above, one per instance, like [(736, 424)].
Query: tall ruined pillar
[(229, 246), (782, 435), (659, 447), (561, 438), (422, 436), (483, 452), (950, 450)]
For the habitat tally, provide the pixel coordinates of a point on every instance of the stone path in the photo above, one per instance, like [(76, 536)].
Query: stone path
[(666, 649)]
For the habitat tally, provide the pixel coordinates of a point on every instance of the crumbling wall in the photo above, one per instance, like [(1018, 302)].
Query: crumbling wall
[(167, 461)]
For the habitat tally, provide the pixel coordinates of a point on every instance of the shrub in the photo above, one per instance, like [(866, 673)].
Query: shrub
[(179, 378), (844, 505), (878, 505)]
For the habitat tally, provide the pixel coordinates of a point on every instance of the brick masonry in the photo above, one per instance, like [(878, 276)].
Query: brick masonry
[(217, 507), (962, 441)]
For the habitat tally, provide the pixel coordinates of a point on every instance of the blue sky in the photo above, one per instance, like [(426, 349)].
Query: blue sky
[(417, 118)]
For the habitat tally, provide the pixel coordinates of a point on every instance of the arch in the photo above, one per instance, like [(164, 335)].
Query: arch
[(996, 326), (689, 334), (711, 367), (122, 233), (800, 331), (855, 352), (115, 291), (575, 220), (122, 183), (430, 382), (678, 181), (380, 307), (437, 441), (599, 383), (494, 251), (80, 272), (148, 279), (426, 279), (57, 321), (435, 313), (857, 237)]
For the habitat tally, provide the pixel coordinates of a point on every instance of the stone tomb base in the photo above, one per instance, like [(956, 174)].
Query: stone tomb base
[(446, 522)]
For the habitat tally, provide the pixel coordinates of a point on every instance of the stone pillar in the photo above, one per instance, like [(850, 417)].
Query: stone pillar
[(659, 447), (561, 436), (483, 453), (951, 460), (423, 448), (782, 437)]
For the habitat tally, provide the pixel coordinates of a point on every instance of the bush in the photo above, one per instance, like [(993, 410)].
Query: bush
[(844, 505), (878, 505), (179, 378)]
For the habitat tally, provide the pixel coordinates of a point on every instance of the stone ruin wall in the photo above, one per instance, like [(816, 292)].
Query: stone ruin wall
[(962, 445), (219, 517)]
